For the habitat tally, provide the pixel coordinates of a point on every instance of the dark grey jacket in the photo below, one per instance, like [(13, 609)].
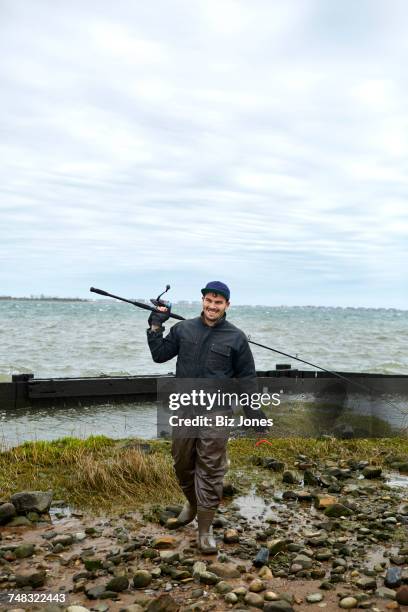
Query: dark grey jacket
[(221, 351)]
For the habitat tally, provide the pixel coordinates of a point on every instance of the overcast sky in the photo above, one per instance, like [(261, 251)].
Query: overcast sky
[(262, 143)]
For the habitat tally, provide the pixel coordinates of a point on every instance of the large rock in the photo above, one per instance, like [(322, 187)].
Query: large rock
[(276, 546), (309, 478), (163, 603), (225, 570), (402, 595), (281, 605), (385, 593), (289, 477), (141, 579), (304, 561), (166, 541), (32, 501), (367, 583), (19, 521), (393, 577), (24, 550), (254, 600), (323, 501), (33, 578), (7, 512), (262, 557), (118, 584), (372, 472), (337, 510), (95, 591), (274, 465)]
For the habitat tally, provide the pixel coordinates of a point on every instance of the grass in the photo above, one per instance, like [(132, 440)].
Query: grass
[(104, 475), (97, 473)]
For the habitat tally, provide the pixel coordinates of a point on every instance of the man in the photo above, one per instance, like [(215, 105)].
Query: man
[(207, 346)]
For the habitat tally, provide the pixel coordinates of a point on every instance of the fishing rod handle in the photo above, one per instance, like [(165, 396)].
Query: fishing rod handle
[(100, 291), (138, 304)]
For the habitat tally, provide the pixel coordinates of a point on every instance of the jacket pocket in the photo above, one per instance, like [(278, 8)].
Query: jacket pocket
[(187, 350), (219, 357)]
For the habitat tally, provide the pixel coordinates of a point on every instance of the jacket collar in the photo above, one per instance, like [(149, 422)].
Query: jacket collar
[(220, 321)]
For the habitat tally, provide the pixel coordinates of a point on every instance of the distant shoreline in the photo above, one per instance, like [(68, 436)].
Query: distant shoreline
[(43, 299)]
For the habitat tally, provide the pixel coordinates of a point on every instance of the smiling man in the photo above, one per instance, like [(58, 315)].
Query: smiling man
[(207, 346)]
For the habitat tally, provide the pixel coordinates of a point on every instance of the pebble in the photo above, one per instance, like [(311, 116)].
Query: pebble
[(348, 603), (231, 598), (208, 578), (253, 599), (223, 587), (141, 579), (231, 536), (314, 597), (256, 586), (366, 583), (198, 568), (265, 573)]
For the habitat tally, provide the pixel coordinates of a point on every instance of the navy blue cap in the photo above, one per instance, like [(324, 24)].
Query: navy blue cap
[(217, 287)]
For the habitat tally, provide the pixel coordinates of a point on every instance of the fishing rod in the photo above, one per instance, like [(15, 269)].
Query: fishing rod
[(269, 348), (158, 302)]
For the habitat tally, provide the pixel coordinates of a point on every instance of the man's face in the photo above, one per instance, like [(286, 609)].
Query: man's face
[(214, 306)]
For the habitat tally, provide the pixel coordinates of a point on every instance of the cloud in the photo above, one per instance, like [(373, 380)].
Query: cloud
[(247, 141)]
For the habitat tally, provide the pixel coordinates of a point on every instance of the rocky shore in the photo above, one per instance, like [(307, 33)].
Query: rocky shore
[(306, 534)]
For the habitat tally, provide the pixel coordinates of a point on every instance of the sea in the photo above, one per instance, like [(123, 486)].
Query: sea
[(107, 337)]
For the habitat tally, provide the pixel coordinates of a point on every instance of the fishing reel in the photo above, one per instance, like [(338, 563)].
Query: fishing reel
[(159, 302)]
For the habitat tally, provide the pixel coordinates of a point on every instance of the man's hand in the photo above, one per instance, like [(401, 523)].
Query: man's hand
[(158, 317)]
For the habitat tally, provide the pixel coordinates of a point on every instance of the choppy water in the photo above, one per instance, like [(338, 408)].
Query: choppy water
[(108, 337)]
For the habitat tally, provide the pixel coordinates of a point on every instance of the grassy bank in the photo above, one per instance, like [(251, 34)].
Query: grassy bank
[(104, 475)]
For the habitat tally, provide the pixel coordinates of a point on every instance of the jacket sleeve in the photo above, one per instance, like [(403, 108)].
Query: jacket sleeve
[(163, 349), (244, 370), (243, 361)]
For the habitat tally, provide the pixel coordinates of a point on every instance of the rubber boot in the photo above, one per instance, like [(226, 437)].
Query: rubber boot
[(187, 515), (206, 541)]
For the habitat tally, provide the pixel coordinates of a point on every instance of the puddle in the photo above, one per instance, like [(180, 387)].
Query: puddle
[(58, 513), (252, 506), (395, 479), (375, 555)]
